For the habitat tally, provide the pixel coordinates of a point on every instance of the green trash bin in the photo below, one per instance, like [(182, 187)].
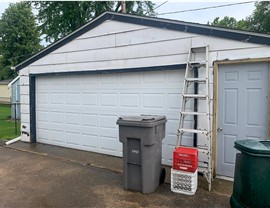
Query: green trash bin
[(252, 174)]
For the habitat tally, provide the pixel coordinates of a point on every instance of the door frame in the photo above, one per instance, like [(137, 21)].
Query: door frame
[(216, 65)]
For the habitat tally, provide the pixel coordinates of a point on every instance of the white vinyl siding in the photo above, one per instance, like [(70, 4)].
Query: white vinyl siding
[(117, 45)]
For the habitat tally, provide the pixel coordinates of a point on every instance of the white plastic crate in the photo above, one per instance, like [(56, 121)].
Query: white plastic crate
[(184, 182)]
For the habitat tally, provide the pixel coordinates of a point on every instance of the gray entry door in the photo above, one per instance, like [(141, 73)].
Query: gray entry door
[(242, 110)]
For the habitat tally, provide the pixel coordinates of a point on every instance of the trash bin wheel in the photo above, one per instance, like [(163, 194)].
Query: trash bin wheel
[(162, 176)]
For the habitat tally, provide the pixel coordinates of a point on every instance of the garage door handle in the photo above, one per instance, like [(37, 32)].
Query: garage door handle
[(219, 129)]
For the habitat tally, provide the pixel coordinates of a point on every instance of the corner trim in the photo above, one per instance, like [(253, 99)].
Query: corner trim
[(32, 97)]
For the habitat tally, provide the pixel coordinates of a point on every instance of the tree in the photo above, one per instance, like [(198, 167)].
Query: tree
[(231, 22), (260, 19), (19, 37), (59, 18)]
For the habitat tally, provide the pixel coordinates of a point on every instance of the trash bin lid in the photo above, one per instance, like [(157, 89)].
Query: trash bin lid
[(253, 146), (142, 120)]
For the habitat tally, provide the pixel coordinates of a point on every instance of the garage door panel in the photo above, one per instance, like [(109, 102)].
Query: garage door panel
[(153, 100), (57, 136), (108, 79), (57, 117), (72, 119), (73, 138), (167, 153), (43, 116), (171, 127), (107, 121), (89, 120), (110, 145), (42, 98), (90, 130), (154, 77), (89, 80), (127, 79), (56, 127), (170, 139), (44, 134), (56, 98), (130, 100), (150, 111), (43, 124), (43, 87), (72, 99), (173, 101), (89, 99), (81, 111), (90, 140), (109, 133), (108, 99), (176, 78)]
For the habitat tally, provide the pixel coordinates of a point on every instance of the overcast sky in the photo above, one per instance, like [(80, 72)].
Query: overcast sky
[(237, 11)]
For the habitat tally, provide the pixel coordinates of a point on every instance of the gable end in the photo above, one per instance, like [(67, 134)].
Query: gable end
[(152, 22)]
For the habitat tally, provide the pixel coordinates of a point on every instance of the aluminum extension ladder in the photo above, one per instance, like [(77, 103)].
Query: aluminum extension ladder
[(197, 64)]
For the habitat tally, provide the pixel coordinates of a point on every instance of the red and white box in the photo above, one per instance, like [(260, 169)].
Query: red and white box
[(185, 159)]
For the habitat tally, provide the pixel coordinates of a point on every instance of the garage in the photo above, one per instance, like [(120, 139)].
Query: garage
[(73, 91), (81, 111)]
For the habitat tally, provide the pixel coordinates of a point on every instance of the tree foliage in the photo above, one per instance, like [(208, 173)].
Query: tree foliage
[(231, 22), (19, 37), (259, 21), (58, 18)]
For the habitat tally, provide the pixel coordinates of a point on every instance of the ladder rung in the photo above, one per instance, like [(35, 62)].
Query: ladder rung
[(198, 49), (205, 151), (203, 169), (197, 131), (197, 62), (194, 96), (194, 113), (203, 80)]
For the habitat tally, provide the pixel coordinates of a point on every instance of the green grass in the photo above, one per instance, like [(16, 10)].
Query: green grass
[(7, 125)]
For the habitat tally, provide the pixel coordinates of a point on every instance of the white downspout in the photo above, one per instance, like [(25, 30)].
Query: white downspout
[(13, 140)]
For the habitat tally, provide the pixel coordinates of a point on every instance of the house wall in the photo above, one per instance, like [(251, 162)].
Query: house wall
[(5, 94), (116, 45)]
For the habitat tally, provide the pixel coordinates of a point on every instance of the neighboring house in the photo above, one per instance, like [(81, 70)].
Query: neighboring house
[(5, 92), (14, 85), (73, 91)]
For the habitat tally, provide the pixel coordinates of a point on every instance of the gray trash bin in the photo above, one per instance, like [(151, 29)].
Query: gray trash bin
[(142, 144)]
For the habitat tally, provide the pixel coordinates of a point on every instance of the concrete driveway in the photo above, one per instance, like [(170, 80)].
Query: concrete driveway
[(40, 180)]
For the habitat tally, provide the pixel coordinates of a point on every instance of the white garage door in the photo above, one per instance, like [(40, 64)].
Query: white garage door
[(80, 111)]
